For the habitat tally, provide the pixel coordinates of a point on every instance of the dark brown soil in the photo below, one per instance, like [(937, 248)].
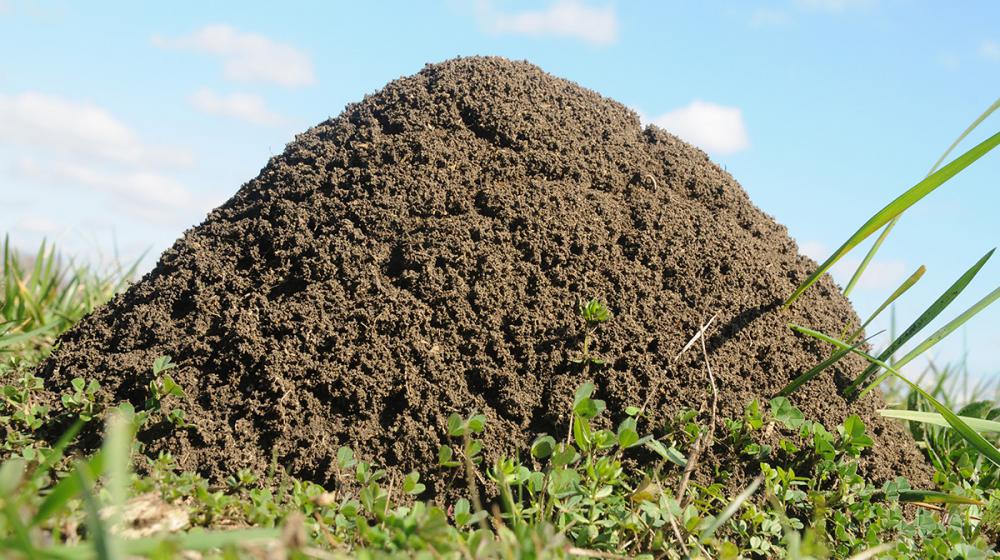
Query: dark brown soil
[(422, 253)]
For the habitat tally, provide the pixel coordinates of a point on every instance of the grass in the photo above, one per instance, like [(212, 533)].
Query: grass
[(599, 490)]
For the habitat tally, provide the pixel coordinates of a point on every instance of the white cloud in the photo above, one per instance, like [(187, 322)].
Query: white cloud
[(247, 57), (68, 127), (769, 17), (990, 50), (245, 107), (879, 276), (563, 18), (140, 188), (52, 140), (834, 6), (715, 128)]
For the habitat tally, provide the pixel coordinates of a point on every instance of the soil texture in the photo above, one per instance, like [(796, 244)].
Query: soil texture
[(422, 254)]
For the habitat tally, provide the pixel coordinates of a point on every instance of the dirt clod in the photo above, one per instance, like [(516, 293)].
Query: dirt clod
[(421, 254)]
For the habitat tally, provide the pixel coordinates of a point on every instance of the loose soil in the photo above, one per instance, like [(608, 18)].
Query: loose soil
[(422, 254)]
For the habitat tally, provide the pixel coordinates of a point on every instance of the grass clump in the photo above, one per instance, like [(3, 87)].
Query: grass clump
[(44, 295)]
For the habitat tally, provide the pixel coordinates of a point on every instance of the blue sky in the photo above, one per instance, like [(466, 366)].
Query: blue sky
[(123, 123)]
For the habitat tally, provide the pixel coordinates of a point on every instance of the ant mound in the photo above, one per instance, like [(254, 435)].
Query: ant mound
[(423, 254)]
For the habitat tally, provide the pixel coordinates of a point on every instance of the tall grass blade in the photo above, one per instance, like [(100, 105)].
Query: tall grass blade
[(922, 321), (67, 489), (9, 340), (949, 328), (898, 206), (902, 289), (807, 376), (888, 228), (932, 497), (205, 541), (116, 448), (11, 477), (731, 509), (192, 542), (873, 552), (21, 540), (869, 256), (97, 530), (989, 111), (971, 436), (936, 337), (839, 354), (58, 450), (935, 419)]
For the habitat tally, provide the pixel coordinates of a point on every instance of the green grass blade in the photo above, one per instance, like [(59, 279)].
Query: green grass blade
[(819, 368), (971, 436), (96, 528), (7, 341), (934, 339), (935, 419), (869, 256), (902, 289), (194, 542), (839, 354), (204, 541), (67, 489), (888, 228), (11, 477), (871, 386), (989, 111), (949, 328), (873, 552), (21, 538), (932, 497), (922, 321), (731, 509), (117, 445), (898, 206), (57, 450)]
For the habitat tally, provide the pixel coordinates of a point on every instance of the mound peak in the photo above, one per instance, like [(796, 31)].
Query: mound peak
[(420, 255)]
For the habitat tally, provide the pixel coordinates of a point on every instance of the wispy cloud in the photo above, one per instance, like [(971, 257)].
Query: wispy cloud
[(247, 57), (245, 107), (718, 129), (77, 128), (141, 188), (990, 50), (56, 141), (769, 17), (597, 25), (881, 275)]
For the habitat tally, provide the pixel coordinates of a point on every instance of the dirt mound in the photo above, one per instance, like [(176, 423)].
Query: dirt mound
[(421, 255)]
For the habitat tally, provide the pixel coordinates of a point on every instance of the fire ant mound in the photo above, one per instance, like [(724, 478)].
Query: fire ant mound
[(422, 254)]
